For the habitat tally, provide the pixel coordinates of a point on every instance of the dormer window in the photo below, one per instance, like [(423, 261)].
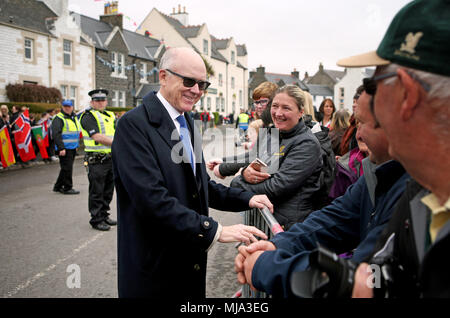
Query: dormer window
[(205, 47)]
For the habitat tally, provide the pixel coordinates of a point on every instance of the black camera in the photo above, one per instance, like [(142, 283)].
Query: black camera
[(331, 276)]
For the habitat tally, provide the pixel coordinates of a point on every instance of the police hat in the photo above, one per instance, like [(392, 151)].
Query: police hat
[(98, 94), (67, 102)]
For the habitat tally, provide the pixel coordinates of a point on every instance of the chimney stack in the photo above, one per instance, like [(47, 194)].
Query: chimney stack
[(111, 14), (295, 74), (181, 16)]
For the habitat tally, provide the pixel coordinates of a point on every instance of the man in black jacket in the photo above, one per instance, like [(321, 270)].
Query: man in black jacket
[(163, 190), (412, 105)]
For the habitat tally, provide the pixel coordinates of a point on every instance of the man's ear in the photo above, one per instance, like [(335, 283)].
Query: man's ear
[(162, 77), (411, 98)]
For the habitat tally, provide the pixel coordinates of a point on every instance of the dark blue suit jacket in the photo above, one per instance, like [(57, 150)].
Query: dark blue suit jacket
[(163, 223)]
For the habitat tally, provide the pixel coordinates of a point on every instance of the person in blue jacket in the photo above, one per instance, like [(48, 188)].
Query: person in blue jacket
[(353, 221)]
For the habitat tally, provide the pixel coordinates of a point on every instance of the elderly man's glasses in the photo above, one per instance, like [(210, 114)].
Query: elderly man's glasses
[(190, 82), (262, 102), (370, 84)]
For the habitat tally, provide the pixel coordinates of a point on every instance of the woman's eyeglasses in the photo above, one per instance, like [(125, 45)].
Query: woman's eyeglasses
[(190, 82), (262, 102)]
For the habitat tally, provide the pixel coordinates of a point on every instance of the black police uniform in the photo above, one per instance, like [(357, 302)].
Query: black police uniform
[(100, 175)]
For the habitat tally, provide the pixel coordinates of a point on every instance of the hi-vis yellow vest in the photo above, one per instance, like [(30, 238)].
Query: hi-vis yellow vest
[(70, 132), (105, 127), (243, 118)]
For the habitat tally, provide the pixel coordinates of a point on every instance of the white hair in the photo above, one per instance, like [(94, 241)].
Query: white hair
[(437, 98), (168, 58)]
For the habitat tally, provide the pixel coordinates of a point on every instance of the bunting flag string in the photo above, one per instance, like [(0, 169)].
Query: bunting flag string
[(115, 67)]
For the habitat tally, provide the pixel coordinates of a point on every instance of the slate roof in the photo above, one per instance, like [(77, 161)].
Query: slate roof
[(370, 72), (140, 45), (148, 88), (336, 76), (192, 31), (285, 79), (241, 49), (29, 14), (320, 90)]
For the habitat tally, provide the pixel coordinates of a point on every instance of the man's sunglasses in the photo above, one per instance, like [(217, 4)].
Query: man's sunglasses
[(370, 84), (190, 82)]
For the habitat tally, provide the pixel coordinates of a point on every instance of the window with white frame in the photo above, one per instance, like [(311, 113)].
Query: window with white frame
[(233, 57), (232, 82), (144, 72), (67, 52), (115, 99), (73, 94), (205, 47), (217, 104), (29, 49), (208, 103), (122, 98), (64, 90), (118, 62), (222, 104), (240, 98), (118, 99), (220, 79), (69, 92)]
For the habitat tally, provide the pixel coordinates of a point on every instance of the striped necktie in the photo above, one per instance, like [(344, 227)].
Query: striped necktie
[(186, 139)]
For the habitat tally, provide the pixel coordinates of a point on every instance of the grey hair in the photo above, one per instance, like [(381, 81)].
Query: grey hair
[(437, 98), (439, 84), (295, 92)]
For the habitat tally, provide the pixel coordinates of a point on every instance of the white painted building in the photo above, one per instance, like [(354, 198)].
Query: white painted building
[(40, 43), (229, 84), (345, 89)]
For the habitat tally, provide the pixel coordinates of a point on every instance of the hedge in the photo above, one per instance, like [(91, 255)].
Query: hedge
[(33, 107), (33, 93)]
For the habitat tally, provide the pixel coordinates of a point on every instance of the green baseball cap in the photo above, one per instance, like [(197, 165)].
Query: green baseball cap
[(418, 37)]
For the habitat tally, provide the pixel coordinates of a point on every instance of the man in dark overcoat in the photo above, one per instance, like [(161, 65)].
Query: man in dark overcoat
[(163, 190)]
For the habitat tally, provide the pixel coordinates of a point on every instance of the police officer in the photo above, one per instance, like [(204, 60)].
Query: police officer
[(242, 123), (98, 127), (66, 135)]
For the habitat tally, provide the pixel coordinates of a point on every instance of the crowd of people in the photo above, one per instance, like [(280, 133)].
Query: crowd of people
[(371, 186), (396, 216), (8, 120)]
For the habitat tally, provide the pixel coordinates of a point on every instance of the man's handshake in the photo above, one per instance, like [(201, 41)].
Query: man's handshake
[(246, 259)]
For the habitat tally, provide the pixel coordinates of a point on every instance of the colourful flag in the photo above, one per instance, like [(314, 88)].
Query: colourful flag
[(45, 133), (22, 137), (7, 153), (37, 132)]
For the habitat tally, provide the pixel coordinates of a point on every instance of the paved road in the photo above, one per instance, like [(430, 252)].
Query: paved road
[(45, 238)]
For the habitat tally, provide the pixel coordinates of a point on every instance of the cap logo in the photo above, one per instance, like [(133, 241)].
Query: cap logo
[(408, 47), (411, 42)]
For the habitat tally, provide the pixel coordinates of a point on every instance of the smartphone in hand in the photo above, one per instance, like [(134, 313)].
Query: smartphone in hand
[(259, 165)]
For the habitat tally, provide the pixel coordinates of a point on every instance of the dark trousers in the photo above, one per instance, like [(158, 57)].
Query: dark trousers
[(101, 190), (64, 180)]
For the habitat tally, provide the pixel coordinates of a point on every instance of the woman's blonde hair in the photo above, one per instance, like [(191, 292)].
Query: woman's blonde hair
[(295, 92), (341, 120), (309, 108)]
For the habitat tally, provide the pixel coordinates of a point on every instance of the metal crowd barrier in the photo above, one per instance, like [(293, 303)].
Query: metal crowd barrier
[(266, 222)]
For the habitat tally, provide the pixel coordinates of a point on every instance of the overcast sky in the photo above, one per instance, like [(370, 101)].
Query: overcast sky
[(279, 34)]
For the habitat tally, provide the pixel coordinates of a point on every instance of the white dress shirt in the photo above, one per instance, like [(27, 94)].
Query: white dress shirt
[(173, 113)]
